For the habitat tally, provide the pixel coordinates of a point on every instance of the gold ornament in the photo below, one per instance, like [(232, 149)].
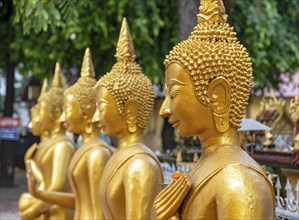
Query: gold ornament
[(132, 177), (45, 88), (83, 90), (208, 80), (54, 97), (48, 161), (90, 158), (126, 81), (212, 51)]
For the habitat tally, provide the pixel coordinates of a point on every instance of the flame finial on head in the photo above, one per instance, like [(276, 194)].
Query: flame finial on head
[(212, 10), (44, 90), (57, 79), (87, 69), (45, 87), (125, 49)]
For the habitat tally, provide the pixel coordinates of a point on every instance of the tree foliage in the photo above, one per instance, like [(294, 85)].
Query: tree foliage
[(50, 30), (270, 32), (62, 29)]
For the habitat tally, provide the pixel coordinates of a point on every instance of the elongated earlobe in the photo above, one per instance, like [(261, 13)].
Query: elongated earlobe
[(88, 119), (131, 110), (219, 92)]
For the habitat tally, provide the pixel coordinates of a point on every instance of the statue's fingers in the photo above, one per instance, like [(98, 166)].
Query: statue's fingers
[(171, 205), (174, 185), (164, 192), (167, 195), (167, 210)]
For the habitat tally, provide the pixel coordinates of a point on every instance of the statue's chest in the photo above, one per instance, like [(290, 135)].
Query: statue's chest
[(44, 158), (202, 204), (114, 194), (115, 189), (112, 178), (78, 165), (78, 172)]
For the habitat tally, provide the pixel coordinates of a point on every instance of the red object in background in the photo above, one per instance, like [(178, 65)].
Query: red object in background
[(9, 122)]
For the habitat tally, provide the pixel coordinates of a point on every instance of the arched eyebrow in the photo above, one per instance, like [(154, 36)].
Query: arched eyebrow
[(102, 100), (176, 82)]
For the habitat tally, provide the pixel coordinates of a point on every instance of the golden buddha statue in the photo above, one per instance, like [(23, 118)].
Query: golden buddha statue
[(51, 158), (211, 73), (125, 97), (26, 199), (88, 162), (34, 124)]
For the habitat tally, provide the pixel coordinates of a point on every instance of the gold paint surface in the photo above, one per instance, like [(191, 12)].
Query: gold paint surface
[(211, 73), (86, 166), (133, 176), (48, 162)]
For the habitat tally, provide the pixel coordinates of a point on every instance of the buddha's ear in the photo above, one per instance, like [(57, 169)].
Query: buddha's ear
[(219, 93), (131, 110), (88, 113), (57, 113)]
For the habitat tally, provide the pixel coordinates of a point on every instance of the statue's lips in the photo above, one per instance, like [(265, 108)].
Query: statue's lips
[(174, 123), (100, 125)]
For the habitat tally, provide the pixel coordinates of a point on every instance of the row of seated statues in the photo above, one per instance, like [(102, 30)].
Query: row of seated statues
[(208, 80)]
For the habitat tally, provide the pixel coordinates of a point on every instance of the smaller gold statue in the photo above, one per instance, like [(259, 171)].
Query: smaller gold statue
[(52, 158), (26, 199), (34, 124), (211, 73), (88, 162), (133, 176), (269, 139)]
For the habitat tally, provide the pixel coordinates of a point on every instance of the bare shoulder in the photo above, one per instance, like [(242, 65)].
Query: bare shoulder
[(65, 146), (99, 152), (142, 164), (242, 180), (245, 187)]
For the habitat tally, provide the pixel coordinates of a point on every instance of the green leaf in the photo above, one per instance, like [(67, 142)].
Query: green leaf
[(44, 14), (28, 12), (56, 14)]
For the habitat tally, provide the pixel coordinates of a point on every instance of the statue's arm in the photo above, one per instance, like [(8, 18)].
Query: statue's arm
[(142, 182), (35, 171), (96, 160), (30, 152), (59, 198), (61, 158), (62, 155), (63, 199)]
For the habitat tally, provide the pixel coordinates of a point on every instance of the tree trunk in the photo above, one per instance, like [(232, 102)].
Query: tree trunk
[(8, 147), (188, 9)]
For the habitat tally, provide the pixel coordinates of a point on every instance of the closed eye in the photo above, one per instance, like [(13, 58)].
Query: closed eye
[(174, 93), (102, 106)]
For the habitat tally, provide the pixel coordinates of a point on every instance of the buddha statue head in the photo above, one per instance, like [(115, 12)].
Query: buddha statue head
[(51, 104), (80, 99), (208, 76), (34, 123), (125, 95)]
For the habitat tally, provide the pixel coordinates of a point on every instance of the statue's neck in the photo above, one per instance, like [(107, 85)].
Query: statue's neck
[(44, 136), (94, 134), (130, 138), (58, 129), (213, 142)]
